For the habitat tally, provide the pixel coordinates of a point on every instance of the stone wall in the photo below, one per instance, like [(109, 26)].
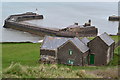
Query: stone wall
[(14, 22)]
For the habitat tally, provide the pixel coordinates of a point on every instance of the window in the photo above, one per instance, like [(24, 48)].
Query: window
[(70, 52), (70, 62)]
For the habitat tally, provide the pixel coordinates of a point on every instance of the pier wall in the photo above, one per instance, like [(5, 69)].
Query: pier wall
[(30, 28), (37, 30), (15, 22), (114, 18)]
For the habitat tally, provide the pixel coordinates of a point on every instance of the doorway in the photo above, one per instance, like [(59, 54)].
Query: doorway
[(92, 56)]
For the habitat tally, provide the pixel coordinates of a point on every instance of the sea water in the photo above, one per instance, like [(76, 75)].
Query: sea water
[(60, 15)]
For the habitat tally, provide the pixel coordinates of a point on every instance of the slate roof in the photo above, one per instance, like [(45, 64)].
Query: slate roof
[(81, 46), (85, 40), (52, 43), (106, 38)]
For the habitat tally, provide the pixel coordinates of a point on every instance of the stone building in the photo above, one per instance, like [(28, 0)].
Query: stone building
[(101, 50), (75, 51)]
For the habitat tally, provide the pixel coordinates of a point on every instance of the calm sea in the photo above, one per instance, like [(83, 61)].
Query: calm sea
[(60, 15)]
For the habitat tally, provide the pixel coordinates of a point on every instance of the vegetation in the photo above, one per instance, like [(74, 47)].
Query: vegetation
[(54, 71), (117, 50), (115, 38), (21, 60), (23, 53)]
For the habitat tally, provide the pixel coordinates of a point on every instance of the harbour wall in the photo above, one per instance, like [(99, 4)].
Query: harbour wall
[(114, 18), (16, 22)]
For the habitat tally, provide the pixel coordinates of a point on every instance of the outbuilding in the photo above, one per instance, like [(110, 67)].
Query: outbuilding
[(101, 50)]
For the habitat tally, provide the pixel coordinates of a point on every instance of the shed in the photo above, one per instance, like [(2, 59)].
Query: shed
[(101, 50)]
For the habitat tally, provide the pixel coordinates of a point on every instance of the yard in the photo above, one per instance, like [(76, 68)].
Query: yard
[(28, 54)]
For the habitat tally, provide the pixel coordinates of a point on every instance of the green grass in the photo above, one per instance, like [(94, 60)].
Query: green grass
[(115, 38), (114, 62), (90, 38), (23, 53), (117, 50)]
